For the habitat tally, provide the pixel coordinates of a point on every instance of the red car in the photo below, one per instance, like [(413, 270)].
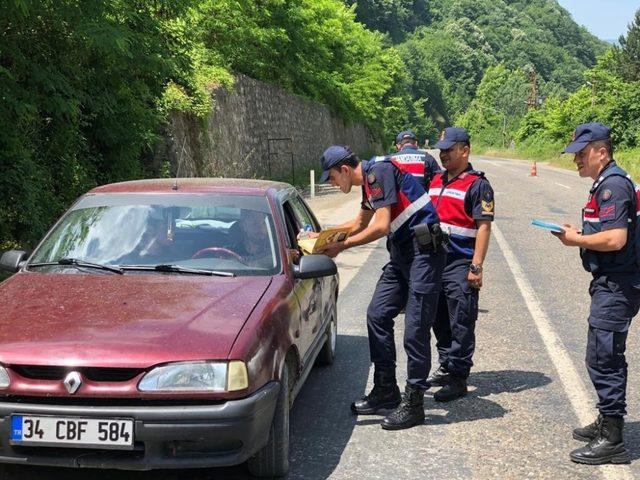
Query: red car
[(164, 324)]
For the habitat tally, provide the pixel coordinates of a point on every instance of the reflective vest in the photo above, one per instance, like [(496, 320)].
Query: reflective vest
[(413, 207), (449, 200), (625, 260), (408, 160)]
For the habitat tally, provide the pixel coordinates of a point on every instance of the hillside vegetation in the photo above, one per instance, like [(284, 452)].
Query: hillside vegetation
[(520, 75), (86, 86)]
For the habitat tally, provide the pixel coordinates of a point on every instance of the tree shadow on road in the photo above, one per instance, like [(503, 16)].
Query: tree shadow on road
[(506, 381), (474, 406), (632, 439), (322, 423), (321, 420)]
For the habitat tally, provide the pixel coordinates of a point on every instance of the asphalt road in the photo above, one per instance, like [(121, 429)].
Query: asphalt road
[(529, 386)]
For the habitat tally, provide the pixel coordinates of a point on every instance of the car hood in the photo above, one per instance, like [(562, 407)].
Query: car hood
[(133, 321)]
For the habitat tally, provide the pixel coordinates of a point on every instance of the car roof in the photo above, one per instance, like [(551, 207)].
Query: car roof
[(194, 185)]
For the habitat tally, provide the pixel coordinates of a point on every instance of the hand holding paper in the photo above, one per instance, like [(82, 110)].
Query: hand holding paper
[(324, 238), (570, 235), (553, 227)]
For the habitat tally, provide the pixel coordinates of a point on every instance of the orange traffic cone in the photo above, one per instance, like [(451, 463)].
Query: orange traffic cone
[(534, 170)]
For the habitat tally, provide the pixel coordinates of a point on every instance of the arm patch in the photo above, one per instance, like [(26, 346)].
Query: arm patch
[(375, 190)]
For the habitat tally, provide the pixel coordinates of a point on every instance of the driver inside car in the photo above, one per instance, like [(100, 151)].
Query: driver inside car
[(253, 245)]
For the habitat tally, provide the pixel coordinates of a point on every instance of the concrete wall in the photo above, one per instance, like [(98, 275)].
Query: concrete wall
[(258, 130)]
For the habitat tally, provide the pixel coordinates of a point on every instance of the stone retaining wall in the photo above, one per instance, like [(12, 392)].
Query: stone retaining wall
[(257, 130)]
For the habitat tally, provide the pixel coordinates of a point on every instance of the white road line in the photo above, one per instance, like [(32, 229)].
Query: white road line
[(564, 186), (573, 385)]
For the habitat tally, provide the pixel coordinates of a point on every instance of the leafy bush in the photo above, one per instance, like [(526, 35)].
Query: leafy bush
[(87, 85), (80, 82)]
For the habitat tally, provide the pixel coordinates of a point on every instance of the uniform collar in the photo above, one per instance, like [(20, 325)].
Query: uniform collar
[(445, 176), (407, 147), (600, 178), (611, 163)]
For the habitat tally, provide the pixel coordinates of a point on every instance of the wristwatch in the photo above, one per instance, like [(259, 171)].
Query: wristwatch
[(475, 268)]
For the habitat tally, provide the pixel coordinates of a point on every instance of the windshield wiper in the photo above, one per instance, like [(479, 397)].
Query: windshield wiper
[(75, 262), (171, 268)]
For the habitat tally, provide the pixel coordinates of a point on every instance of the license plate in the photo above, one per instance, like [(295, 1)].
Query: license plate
[(71, 432)]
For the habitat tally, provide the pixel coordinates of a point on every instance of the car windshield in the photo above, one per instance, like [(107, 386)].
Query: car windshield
[(221, 233)]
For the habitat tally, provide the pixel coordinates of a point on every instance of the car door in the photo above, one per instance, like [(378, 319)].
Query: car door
[(308, 291), (321, 285)]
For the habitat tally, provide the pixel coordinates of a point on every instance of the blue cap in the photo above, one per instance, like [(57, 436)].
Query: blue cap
[(332, 156), (450, 136), (404, 135), (587, 133)]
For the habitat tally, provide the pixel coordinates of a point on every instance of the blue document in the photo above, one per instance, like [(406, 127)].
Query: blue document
[(548, 226)]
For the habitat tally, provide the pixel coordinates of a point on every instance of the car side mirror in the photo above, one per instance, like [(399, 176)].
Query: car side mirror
[(13, 260), (314, 266)]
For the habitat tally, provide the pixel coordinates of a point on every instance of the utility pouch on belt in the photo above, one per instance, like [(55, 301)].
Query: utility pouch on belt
[(430, 239), (423, 238)]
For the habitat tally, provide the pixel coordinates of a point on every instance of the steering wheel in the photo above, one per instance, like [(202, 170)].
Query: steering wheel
[(218, 251)]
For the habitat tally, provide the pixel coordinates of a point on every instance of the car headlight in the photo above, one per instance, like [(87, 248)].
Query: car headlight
[(196, 377), (4, 378)]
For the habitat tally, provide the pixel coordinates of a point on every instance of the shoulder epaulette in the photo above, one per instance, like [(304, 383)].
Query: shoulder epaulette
[(614, 171)]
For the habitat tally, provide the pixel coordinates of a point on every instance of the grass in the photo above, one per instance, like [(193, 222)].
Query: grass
[(629, 159), (544, 152)]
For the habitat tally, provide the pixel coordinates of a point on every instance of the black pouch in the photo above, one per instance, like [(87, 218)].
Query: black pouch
[(424, 238), (440, 237)]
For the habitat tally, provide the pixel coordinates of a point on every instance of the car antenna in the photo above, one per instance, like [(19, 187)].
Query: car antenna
[(175, 184)]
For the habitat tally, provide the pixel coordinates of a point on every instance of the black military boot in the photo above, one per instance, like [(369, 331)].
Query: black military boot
[(456, 388), (439, 378), (384, 395), (588, 433), (409, 413), (607, 447)]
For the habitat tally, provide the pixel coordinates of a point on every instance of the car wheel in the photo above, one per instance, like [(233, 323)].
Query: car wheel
[(273, 459), (328, 352)]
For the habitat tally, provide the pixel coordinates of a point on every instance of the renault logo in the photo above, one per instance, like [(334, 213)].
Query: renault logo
[(72, 382)]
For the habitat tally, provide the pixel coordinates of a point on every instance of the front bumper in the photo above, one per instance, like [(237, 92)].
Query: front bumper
[(165, 437)]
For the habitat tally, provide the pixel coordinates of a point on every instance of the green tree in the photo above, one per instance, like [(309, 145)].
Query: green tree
[(494, 116), (395, 17), (607, 98), (88, 85), (312, 47), (629, 51), (80, 83)]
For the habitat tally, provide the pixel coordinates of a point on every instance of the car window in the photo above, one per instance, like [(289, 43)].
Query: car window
[(234, 233), (302, 215), (291, 224)]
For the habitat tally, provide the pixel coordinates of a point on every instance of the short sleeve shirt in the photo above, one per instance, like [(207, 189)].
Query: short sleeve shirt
[(382, 181), (479, 202), (614, 197)]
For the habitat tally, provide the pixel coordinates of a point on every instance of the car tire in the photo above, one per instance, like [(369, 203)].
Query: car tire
[(328, 352), (273, 459)]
